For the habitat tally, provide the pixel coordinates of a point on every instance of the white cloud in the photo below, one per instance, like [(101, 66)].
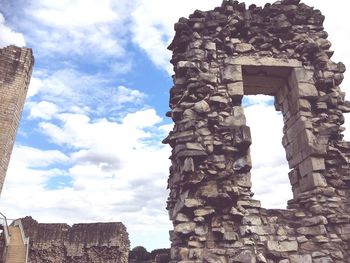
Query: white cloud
[(111, 167), (44, 110), (35, 85), (34, 157), (69, 88), (153, 23), (78, 13), (8, 36), (79, 28), (79, 131), (142, 119), (124, 95)]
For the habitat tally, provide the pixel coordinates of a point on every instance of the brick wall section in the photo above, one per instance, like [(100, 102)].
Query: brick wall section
[(281, 50), (81, 243), (15, 71)]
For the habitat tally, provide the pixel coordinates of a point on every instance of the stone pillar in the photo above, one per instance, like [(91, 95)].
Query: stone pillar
[(15, 71)]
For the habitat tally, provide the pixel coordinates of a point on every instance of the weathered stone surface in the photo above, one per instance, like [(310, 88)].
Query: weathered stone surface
[(245, 256), (185, 228), (15, 71), (311, 181), (312, 230), (81, 243), (307, 90), (300, 258), (235, 89), (311, 164), (282, 246), (201, 107), (243, 47), (279, 50), (232, 73)]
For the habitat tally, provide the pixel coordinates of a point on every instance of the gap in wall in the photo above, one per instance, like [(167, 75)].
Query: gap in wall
[(269, 165)]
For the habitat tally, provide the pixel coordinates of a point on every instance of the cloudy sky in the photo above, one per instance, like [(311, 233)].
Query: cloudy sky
[(88, 148)]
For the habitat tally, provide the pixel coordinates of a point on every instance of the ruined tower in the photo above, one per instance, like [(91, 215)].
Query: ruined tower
[(219, 56), (15, 71)]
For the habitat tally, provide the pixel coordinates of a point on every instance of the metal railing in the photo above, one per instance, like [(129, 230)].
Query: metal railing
[(18, 222), (6, 235)]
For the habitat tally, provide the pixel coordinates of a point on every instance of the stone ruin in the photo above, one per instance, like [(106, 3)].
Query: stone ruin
[(16, 66), (81, 243), (219, 56)]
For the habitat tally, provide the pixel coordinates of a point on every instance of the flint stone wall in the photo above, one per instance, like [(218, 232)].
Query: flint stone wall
[(281, 50), (81, 243), (16, 66)]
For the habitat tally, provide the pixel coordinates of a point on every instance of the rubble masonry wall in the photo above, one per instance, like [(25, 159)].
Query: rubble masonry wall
[(281, 50), (81, 243)]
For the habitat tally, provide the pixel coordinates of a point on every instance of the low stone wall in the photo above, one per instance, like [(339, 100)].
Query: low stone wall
[(81, 243)]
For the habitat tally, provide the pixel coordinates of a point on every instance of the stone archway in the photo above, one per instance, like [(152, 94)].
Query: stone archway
[(218, 56)]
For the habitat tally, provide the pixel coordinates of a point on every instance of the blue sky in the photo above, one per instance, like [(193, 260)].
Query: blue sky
[(88, 148)]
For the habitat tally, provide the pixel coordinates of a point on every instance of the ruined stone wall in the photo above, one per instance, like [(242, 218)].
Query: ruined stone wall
[(81, 243), (281, 50), (15, 71)]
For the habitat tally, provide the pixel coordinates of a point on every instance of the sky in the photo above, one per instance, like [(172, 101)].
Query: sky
[(88, 148)]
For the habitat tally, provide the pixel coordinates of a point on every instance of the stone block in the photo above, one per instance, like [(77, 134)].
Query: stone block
[(316, 220), (245, 256), (312, 181), (311, 164), (201, 106), (191, 202), (213, 258), (249, 203), (302, 75), (312, 230), (194, 146), (300, 259), (242, 164), (306, 90), (282, 246), (188, 165), (293, 176), (235, 89), (242, 137), (251, 220), (323, 260), (244, 180), (210, 46), (185, 228), (243, 47), (208, 78), (295, 160), (258, 230), (204, 211), (191, 153), (209, 190), (185, 64), (304, 105), (343, 229), (262, 61), (232, 73)]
